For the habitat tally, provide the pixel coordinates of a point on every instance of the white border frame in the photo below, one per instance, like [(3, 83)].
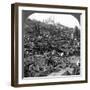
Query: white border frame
[(56, 79)]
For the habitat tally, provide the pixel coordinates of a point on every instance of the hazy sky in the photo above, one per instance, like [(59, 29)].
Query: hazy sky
[(64, 19)]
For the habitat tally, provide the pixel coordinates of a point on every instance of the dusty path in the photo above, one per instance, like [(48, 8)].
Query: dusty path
[(61, 72)]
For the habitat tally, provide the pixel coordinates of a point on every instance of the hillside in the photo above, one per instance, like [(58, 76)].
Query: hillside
[(47, 48)]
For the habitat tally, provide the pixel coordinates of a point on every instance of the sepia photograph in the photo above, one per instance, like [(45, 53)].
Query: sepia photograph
[(49, 44)]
